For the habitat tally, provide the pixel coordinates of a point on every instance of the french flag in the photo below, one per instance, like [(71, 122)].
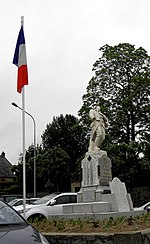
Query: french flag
[(20, 60)]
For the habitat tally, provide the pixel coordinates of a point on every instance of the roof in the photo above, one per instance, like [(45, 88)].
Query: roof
[(5, 167)]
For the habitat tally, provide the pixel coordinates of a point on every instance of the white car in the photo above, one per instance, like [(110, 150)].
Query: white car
[(146, 207), (47, 206), (19, 201)]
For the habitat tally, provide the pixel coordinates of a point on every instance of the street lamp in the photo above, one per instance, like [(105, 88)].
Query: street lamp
[(15, 105)]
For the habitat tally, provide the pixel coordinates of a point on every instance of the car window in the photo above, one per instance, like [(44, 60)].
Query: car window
[(62, 199), (8, 215), (20, 202), (30, 201), (66, 199), (12, 202), (44, 199), (73, 198)]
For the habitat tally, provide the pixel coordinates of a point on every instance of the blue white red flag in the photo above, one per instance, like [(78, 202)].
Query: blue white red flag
[(20, 61)]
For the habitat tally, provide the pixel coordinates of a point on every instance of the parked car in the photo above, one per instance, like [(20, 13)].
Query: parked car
[(8, 197), (17, 202), (42, 201), (146, 207), (15, 229), (47, 206)]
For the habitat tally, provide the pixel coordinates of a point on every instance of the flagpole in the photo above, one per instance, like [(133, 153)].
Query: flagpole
[(23, 144), (21, 62)]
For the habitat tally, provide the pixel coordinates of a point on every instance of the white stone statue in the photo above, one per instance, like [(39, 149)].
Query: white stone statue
[(99, 123)]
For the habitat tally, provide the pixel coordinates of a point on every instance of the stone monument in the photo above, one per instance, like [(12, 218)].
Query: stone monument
[(99, 195), (96, 166)]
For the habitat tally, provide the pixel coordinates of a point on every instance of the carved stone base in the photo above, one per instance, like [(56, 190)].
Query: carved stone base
[(96, 169), (96, 175)]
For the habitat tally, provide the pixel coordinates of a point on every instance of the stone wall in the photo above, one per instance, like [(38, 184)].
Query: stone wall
[(134, 237)]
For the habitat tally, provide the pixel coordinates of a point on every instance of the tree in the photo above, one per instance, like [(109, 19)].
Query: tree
[(53, 171), (58, 159), (67, 133), (29, 161), (121, 86)]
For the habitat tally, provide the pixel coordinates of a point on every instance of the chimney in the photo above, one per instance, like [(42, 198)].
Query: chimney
[(3, 154)]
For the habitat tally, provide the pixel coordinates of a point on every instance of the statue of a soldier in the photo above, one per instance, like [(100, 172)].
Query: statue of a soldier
[(98, 125)]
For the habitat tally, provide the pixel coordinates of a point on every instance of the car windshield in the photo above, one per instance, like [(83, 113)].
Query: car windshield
[(9, 216), (146, 206), (45, 199), (11, 203)]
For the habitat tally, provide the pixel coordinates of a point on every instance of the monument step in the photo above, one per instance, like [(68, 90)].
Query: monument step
[(90, 207)]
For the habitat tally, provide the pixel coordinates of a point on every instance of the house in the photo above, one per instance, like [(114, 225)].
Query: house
[(7, 177)]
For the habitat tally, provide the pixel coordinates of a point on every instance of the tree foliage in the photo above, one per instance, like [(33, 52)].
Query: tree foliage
[(53, 170), (67, 133), (121, 86), (57, 159)]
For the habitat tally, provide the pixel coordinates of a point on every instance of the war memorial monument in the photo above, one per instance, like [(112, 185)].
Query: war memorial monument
[(100, 196)]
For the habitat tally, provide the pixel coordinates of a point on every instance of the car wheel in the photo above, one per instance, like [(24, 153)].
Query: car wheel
[(36, 218)]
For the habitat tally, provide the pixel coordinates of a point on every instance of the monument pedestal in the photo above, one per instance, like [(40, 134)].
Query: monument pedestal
[(96, 175), (99, 194)]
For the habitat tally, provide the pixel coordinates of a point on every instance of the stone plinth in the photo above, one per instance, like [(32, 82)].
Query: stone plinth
[(86, 208), (96, 169), (99, 194), (96, 175)]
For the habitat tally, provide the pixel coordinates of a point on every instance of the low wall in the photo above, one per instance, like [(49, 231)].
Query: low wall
[(134, 237)]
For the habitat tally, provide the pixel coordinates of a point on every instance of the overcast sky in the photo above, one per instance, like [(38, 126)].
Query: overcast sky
[(63, 38)]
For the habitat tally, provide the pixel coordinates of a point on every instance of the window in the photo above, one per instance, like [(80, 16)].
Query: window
[(20, 202), (66, 199), (73, 198), (62, 200)]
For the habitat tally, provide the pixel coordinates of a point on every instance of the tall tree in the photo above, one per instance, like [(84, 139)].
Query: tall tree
[(58, 158), (121, 86), (53, 171), (67, 133)]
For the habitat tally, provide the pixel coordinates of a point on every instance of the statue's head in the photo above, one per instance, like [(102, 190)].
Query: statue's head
[(97, 108)]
